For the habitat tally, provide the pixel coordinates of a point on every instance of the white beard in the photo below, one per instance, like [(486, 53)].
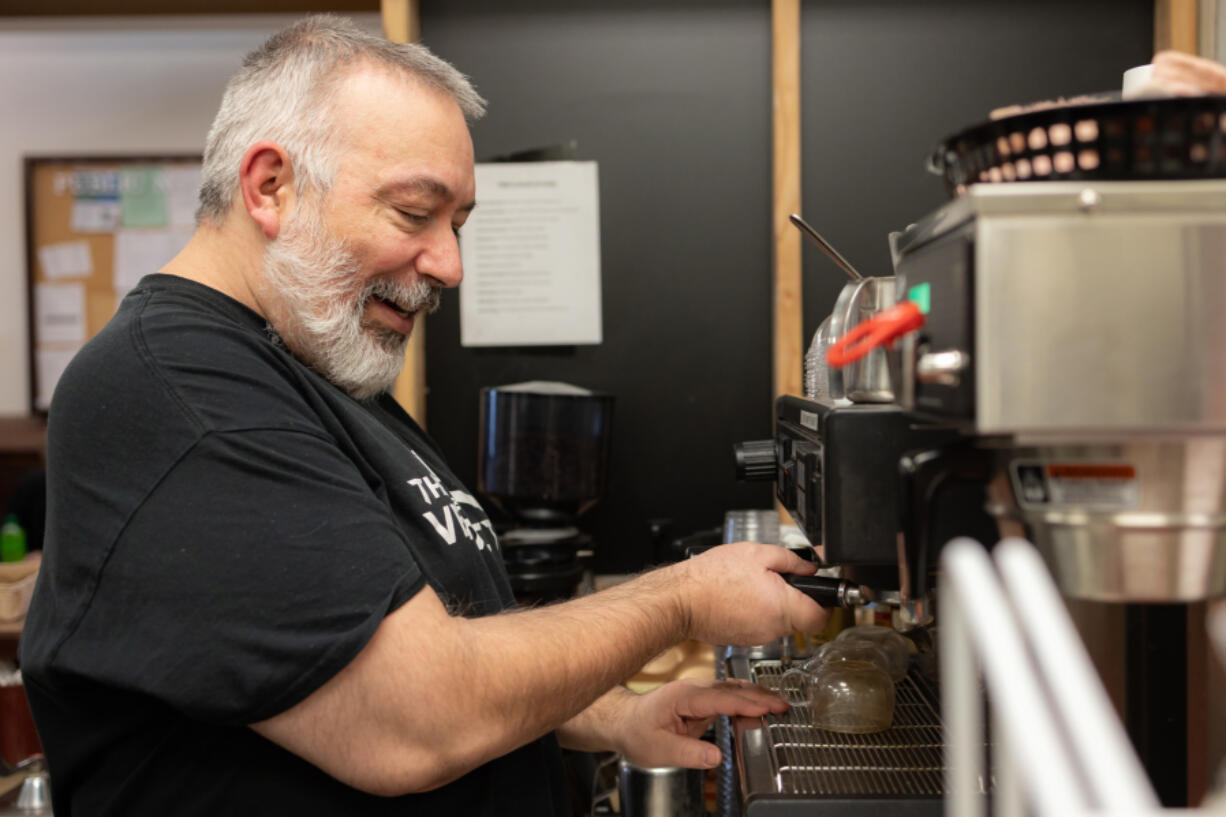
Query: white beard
[(322, 297)]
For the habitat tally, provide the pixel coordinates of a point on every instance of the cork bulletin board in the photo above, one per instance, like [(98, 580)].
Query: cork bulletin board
[(94, 227)]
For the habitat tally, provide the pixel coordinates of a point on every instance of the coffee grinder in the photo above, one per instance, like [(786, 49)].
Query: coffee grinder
[(543, 461)]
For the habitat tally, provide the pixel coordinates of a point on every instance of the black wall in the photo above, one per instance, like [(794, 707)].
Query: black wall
[(673, 100), (885, 81)]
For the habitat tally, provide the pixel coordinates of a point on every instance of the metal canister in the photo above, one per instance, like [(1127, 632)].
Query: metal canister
[(661, 791)]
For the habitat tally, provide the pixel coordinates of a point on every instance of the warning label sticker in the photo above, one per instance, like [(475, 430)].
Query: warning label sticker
[(1080, 484)]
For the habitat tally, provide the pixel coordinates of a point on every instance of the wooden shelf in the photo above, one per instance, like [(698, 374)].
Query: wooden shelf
[(22, 435), (22, 442), (10, 636)]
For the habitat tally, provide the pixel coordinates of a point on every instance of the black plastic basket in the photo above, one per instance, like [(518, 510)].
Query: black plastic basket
[(1167, 138)]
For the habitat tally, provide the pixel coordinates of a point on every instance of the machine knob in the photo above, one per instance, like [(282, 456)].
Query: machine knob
[(942, 368), (755, 461)]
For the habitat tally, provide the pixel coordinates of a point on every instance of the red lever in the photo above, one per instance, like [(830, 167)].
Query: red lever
[(882, 329)]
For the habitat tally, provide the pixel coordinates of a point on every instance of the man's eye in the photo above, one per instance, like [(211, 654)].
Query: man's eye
[(415, 218)]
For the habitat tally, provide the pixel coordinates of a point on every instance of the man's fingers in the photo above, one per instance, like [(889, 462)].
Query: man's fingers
[(730, 699), (782, 560), (804, 614), (779, 559), (677, 750)]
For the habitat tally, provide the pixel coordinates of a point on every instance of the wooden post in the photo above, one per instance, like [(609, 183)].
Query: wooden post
[(401, 21), (786, 289), (1175, 25), (785, 59), (1206, 27), (402, 24)]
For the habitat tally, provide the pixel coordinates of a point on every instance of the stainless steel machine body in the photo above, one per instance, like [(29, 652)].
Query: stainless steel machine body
[(1072, 366), (1083, 310), (1074, 329)]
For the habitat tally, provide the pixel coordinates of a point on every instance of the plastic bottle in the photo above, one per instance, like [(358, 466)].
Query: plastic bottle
[(12, 540)]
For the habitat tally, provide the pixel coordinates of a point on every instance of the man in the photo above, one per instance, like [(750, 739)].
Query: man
[(242, 607)]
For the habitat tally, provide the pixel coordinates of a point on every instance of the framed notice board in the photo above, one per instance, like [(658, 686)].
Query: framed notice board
[(94, 227)]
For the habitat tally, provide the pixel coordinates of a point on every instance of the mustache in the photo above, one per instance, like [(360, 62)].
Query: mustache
[(418, 296)]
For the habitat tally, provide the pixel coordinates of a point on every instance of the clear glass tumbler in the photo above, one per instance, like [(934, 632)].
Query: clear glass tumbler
[(894, 646), (849, 696)]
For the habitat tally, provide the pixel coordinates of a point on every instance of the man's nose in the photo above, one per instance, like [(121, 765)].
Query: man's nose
[(440, 259)]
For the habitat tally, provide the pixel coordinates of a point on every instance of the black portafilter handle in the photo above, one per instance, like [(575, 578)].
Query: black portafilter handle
[(825, 590), (829, 591)]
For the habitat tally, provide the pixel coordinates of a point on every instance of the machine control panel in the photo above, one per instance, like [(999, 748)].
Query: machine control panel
[(838, 474)]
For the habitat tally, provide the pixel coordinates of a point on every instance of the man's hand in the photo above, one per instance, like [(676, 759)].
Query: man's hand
[(734, 594), (663, 727)]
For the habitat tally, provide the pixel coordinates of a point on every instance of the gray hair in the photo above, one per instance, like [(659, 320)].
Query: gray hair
[(285, 92)]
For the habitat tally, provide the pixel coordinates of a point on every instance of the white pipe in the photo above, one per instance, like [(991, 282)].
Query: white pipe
[(1116, 778), (1044, 761), (962, 711), (1008, 793)]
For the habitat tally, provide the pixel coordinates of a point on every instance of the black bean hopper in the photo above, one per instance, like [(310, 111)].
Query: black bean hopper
[(542, 461), (1047, 361)]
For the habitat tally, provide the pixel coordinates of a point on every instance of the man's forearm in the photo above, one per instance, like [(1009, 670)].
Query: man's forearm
[(599, 727), (551, 663), (433, 696)]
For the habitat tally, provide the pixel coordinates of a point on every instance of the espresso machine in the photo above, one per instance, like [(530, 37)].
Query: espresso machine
[(1046, 362), (542, 461)]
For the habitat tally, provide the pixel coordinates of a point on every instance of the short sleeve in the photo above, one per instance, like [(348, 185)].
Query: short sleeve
[(258, 567)]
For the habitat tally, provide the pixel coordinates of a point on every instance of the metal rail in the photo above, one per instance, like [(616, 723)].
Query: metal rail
[(1062, 750)]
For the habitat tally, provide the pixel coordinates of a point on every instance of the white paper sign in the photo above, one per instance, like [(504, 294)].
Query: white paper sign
[(531, 253), (68, 259), (50, 365), (95, 215), (59, 313)]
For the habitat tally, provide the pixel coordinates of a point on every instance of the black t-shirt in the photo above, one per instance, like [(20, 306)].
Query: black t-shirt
[(226, 530)]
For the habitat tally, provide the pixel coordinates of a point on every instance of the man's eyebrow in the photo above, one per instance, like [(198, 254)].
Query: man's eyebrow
[(421, 184)]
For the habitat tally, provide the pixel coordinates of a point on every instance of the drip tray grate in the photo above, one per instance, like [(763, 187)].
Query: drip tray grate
[(905, 760)]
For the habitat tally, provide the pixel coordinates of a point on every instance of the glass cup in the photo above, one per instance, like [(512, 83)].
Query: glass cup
[(843, 695), (893, 646), (850, 650)]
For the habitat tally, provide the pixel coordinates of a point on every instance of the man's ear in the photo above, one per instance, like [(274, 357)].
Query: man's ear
[(266, 181)]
